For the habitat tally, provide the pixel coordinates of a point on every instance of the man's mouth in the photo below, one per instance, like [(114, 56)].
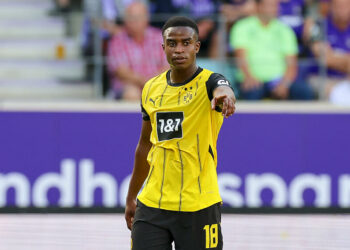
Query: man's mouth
[(179, 59)]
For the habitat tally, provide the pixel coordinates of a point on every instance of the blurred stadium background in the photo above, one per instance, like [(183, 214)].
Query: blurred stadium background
[(68, 131)]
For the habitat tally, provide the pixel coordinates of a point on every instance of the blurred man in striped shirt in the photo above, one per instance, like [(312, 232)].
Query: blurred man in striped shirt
[(135, 54)]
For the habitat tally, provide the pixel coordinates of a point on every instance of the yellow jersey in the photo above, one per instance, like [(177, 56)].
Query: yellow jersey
[(183, 157)]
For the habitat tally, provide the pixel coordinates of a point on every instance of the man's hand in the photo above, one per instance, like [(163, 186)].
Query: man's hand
[(281, 91), (130, 212), (226, 104), (322, 50), (250, 83)]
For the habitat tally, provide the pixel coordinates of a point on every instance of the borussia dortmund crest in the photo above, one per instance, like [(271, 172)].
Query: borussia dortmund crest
[(188, 97)]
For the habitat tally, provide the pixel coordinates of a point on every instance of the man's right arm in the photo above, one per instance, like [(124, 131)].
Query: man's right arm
[(140, 172), (249, 81), (239, 40), (129, 76)]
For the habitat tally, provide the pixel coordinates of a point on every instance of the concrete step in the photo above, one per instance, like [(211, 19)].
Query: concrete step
[(24, 9), (42, 70), (34, 28), (45, 90), (47, 49)]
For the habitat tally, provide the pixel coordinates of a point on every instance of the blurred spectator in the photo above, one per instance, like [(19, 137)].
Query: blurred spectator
[(266, 51), (233, 10), (330, 43), (99, 23), (123, 4), (101, 14), (62, 7), (323, 8), (203, 11), (135, 54), (293, 14)]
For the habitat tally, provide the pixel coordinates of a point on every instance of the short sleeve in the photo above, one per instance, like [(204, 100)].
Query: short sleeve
[(145, 115), (239, 35), (290, 42), (215, 80)]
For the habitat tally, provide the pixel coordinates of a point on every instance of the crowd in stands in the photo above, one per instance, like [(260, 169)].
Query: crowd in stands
[(266, 39)]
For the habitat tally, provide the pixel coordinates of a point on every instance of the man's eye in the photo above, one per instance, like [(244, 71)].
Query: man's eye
[(172, 44), (186, 43)]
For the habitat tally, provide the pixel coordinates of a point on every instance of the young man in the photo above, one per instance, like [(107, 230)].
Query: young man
[(183, 111)]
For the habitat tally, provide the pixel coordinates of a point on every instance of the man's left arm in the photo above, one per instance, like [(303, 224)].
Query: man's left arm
[(290, 52), (291, 71), (282, 89)]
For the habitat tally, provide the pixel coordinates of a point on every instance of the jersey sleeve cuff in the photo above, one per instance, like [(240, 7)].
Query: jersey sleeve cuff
[(145, 115)]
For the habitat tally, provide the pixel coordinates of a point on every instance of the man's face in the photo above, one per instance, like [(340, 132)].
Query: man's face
[(268, 8), (180, 46), (341, 10), (136, 19)]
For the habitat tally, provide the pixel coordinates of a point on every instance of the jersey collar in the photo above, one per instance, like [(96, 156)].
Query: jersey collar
[(199, 70)]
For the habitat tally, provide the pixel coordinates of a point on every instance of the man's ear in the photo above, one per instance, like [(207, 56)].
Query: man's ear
[(198, 46)]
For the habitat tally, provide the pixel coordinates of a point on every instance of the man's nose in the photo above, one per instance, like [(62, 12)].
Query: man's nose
[(179, 48)]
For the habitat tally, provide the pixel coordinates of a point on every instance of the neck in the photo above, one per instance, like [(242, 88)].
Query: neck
[(181, 75), (139, 38), (265, 21)]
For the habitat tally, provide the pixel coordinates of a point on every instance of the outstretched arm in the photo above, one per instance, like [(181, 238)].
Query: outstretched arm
[(224, 98), (140, 172)]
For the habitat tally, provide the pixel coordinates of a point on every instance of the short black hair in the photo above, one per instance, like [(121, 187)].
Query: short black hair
[(180, 21)]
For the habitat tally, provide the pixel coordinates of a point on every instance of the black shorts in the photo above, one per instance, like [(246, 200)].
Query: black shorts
[(156, 229)]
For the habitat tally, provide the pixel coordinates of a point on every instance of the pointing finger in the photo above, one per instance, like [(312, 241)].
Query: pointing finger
[(224, 108)]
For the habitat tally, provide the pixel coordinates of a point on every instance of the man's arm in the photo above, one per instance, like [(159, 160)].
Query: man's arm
[(322, 50), (140, 172), (129, 76), (338, 61), (232, 12), (240, 40), (332, 59), (249, 82), (224, 98), (291, 71), (282, 89)]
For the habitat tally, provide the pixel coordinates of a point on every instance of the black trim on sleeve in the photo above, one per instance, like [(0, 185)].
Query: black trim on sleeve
[(215, 80), (211, 152), (145, 115)]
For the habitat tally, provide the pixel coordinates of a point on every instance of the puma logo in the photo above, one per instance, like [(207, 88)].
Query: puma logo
[(153, 101)]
